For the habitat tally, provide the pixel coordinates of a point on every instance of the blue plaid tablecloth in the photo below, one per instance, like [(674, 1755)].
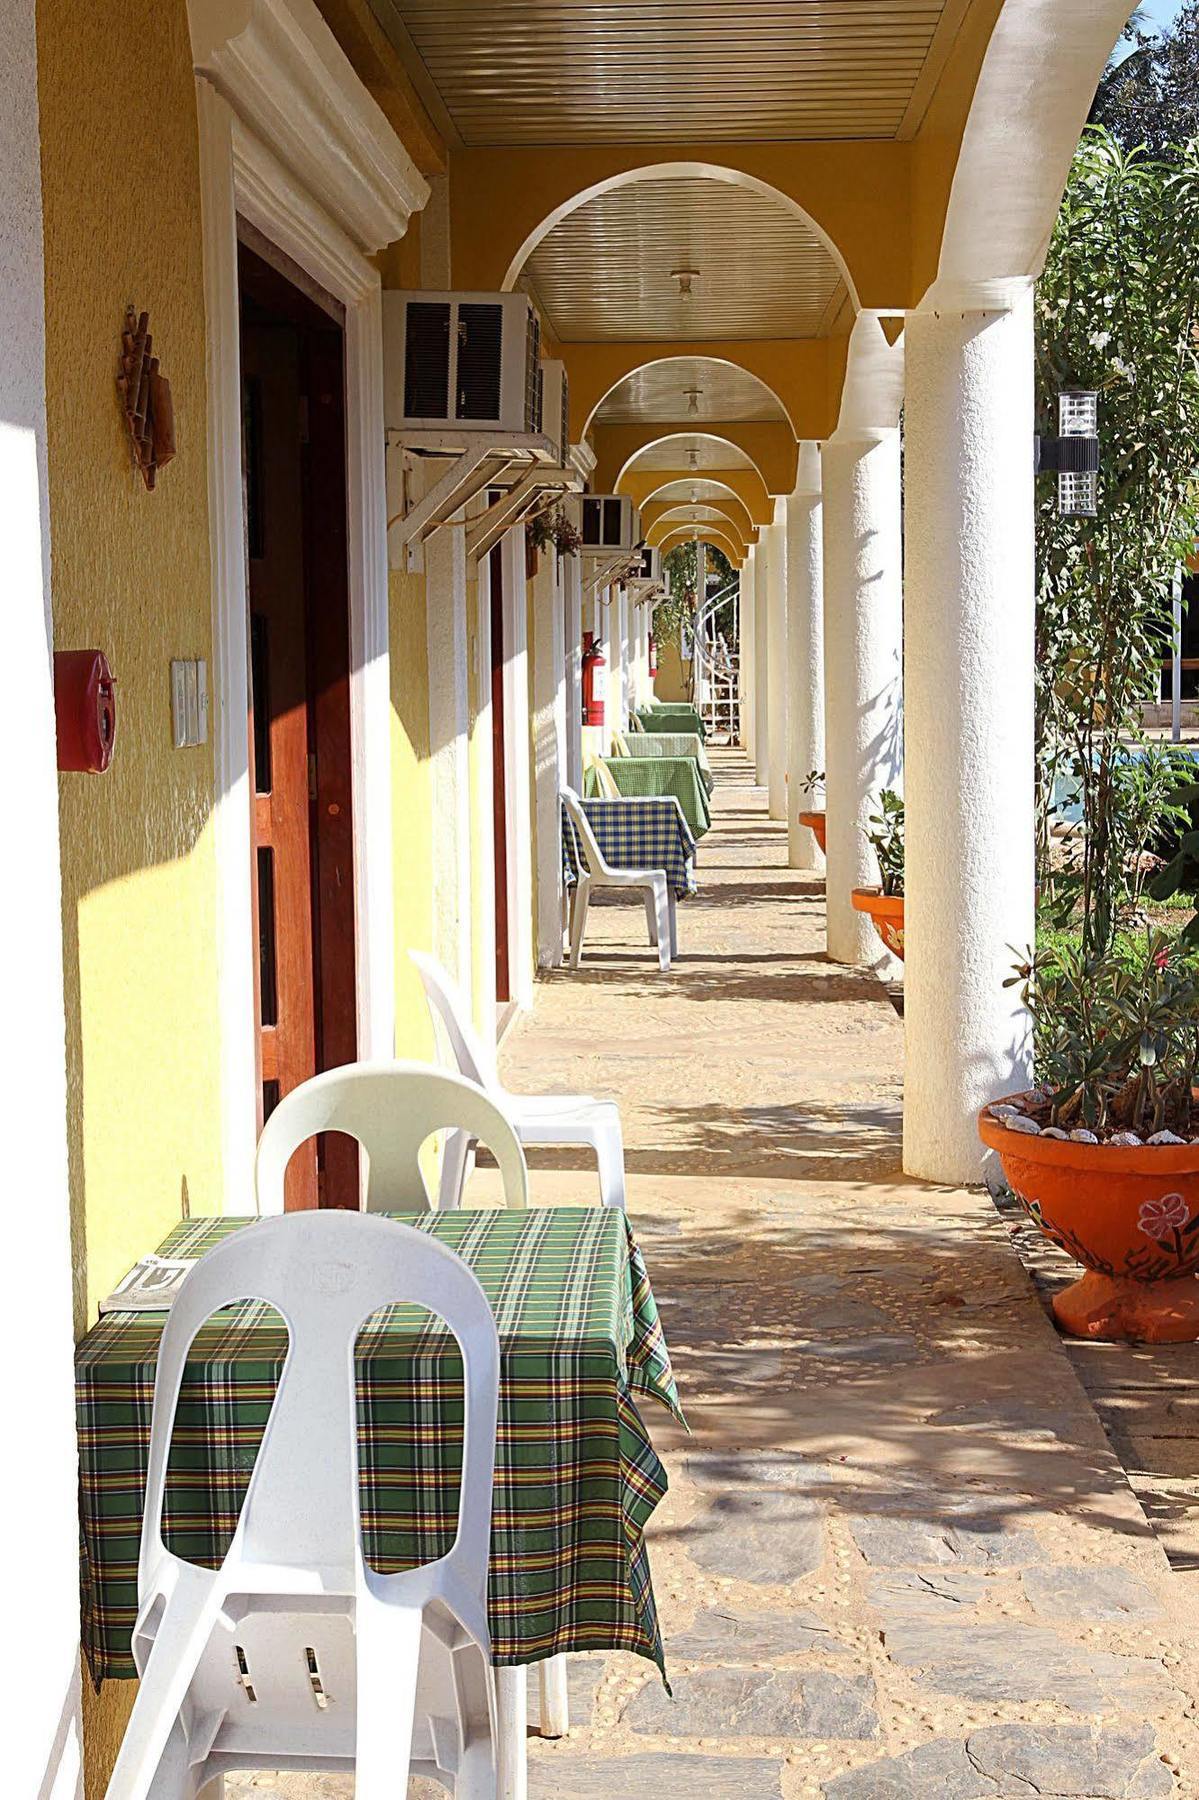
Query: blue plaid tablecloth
[(636, 834)]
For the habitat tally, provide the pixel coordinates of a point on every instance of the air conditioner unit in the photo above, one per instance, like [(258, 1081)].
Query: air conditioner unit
[(609, 524), (651, 565), (555, 408), (465, 361)]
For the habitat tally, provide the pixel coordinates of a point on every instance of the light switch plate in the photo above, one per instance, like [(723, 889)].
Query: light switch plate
[(189, 703)]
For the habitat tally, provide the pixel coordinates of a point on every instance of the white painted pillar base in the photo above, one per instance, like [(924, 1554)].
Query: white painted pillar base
[(969, 687), (762, 659), (805, 656), (863, 634), (748, 646), (776, 674)]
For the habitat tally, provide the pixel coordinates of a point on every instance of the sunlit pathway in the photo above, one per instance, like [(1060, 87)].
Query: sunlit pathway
[(897, 1557)]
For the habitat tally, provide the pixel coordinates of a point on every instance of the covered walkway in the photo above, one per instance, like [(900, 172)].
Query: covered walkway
[(897, 1526)]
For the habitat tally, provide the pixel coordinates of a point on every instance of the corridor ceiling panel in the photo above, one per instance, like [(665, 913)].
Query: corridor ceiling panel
[(761, 271), (692, 490), (684, 386), (603, 71), (675, 453)]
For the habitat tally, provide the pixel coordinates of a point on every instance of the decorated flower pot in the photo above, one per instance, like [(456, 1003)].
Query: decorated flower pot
[(887, 912), (815, 823), (1128, 1213)]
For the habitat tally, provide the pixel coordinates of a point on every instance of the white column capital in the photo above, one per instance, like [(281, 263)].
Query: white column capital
[(996, 295), (808, 479)]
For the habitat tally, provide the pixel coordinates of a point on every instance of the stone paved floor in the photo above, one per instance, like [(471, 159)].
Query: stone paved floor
[(898, 1557)]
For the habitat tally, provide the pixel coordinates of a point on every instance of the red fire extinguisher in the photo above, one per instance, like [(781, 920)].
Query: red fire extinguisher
[(595, 680), (653, 656)]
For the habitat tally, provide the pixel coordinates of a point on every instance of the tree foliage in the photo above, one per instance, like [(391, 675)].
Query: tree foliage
[(1117, 311), (1151, 96)]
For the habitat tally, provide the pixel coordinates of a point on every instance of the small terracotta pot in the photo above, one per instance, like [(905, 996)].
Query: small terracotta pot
[(1128, 1213), (887, 912), (815, 822)]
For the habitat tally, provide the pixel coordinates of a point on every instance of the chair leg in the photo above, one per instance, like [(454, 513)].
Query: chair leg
[(674, 922), (512, 1725), (651, 914), (579, 921), (555, 1698), (388, 1654), (662, 901), (609, 1155), (456, 1161)]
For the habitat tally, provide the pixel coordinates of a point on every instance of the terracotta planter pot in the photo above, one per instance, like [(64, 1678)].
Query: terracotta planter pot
[(815, 822), (1128, 1213), (887, 912)]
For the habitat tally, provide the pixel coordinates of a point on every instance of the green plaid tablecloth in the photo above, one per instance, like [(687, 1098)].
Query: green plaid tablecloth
[(576, 1477), (636, 834), (646, 777), (672, 716), (672, 743)]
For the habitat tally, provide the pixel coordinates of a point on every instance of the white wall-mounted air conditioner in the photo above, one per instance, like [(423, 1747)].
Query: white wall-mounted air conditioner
[(609, 524), (555, 408), (651, 564), (461, 361)]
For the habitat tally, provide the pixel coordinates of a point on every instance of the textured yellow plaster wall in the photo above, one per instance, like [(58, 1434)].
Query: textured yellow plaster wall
[(130, 574), (412, 810)]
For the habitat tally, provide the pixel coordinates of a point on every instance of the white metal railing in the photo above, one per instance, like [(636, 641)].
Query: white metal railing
[(715, 670)]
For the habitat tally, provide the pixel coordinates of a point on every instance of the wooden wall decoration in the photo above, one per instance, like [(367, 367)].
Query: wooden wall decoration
[(146, 398)]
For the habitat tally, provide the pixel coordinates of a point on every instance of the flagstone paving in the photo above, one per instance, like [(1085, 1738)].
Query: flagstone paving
[(898, 1557)]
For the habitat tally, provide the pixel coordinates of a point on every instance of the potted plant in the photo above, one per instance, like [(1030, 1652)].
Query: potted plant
[(885, 902), (1103, 1155), (813, 786), (551, 527)]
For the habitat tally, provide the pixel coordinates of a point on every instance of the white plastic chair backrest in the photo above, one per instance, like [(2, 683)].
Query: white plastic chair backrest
[(448, 1003), (391, 1108), (620, 744), (605, 780), (592, 853), (326, 1273)]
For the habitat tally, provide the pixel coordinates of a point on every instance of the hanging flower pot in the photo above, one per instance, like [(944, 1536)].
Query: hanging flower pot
[(1129, 1213), (886, 910), (815, 822)]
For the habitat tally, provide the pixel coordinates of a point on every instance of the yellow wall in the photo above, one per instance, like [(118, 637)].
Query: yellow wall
[(130, 575), (412, 811)]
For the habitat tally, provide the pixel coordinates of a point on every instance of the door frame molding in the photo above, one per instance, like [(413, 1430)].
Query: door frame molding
[(272, 150)]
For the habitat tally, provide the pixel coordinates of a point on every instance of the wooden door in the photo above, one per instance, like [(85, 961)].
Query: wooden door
[(295, 492), (495, 565)]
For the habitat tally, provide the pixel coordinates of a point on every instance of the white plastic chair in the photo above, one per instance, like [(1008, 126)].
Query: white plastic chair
[(391, 1108), (536, 1118), (294, 1654), (660, 910)]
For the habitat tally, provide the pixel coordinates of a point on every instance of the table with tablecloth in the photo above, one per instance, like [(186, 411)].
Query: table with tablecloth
[(576, 1477), (668, 743), (671, 718), (644, 777), (636, 834)]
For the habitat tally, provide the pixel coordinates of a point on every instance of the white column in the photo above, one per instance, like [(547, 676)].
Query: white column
[(449, 769), (549, 751), (41, 1664), (572, 575), (805, 655), (518, 803), (747, 641), (626, 656), (762, 660), (776, 673), (614, 713), (863, 632), (969, 664)]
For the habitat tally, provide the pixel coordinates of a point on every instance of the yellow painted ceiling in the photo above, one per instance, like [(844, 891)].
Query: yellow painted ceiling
[(596, 71), (689, 387), (604, 271)]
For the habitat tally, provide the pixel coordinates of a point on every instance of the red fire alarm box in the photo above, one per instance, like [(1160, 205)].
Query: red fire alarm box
[(85, 710)]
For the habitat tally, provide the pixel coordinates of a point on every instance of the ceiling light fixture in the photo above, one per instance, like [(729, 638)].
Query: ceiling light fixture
[(693, 459), (684, 277), (693, 395)]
